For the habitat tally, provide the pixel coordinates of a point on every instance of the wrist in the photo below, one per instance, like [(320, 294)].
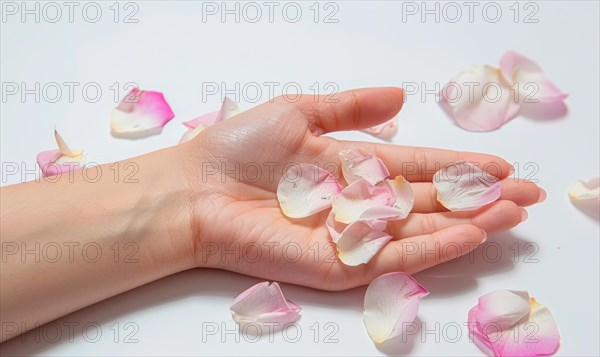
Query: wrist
[(161, 212)]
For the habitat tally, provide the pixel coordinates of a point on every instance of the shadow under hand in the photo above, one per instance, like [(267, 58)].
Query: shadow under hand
[(457, 276), (445, 280), (181, 286)]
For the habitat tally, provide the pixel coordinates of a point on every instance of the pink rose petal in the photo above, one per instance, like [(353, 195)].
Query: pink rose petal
[(55, 162), (205, 119), (384, 131), (305, 190), (264, 303), (391, 305), (533, 84), (356, 166), (228, 109), (479, 99), (140, 114), (585, 190), (464, 187), (405, 198), (359, 242), (511, 323), (361, 201)]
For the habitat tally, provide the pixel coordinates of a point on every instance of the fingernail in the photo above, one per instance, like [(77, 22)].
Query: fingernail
[(524, 214), (484, 235), (543, 196), (511, 171)]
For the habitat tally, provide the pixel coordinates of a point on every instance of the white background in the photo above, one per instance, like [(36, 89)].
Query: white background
[(173, 50)]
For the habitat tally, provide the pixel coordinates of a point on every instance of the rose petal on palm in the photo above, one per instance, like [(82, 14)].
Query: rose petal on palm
[(530, 79), (385, 130), (334, 227), (361, 201), (405, 198), (359, 242), (502, 324), (464, 187), (309, 190), (356, 166), (264, 303), (391, 304), (479, 99), (585, 190), (140, 114)]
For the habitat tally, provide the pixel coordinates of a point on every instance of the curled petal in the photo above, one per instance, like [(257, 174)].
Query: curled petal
[(334, 227), (359, 242), (585, 190), (362, 201), (384, 131), (264, 303), (140, 114), (191, 133), (405, 198), (204, 120), (356, 166), (391, 305), (228, 109), (502, 324), (63, 160), (479, 99), (464, 187), (532, 83), (309, 190)]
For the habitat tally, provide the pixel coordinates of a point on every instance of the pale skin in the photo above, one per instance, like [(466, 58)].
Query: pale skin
[(186, 212)]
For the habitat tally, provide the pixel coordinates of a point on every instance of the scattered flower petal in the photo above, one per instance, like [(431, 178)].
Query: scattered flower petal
[(533, 85), (140, 114), (205, 120), (228, 109), (264, 303), (391, 304), (55, 162), (464, 187), (483, 98), (310, 190), (511, 323), (359, 242), (384, 131), (585, 190), (482, 107), (356, 166), (191, 133)]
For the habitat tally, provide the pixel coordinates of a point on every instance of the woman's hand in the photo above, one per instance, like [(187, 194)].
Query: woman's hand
[(234, 167)]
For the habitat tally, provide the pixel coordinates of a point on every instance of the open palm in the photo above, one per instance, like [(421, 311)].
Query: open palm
[(236, 166)]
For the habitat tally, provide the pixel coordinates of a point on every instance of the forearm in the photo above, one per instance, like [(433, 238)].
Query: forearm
[(71, 243)]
